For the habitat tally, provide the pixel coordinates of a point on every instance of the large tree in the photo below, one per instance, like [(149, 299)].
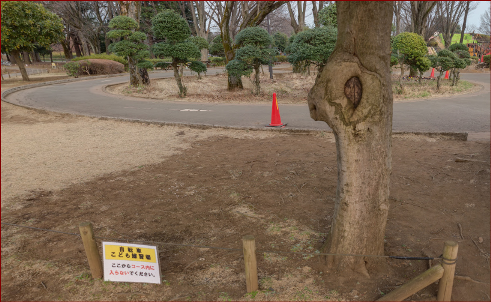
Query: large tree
[(353, 96), (26, 25), (449, 13), (420, 11)]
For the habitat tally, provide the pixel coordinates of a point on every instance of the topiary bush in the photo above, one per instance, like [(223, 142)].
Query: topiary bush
[(162, 65), (409, 47), (253, 43), (198, 67), (100, 66), (328, 16), (218, 61), (130, 46), (312, 46), (174, 30), (281, 58), (104, 56)]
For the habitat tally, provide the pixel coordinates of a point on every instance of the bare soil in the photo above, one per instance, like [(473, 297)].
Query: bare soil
[(138, 182)]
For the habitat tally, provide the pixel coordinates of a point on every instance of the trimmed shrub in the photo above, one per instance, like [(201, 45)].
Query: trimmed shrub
[(162, 65), (72, 69), (218, 61), (281, 58), (104, 56), (198, 67), (486, 59), (99, 66)]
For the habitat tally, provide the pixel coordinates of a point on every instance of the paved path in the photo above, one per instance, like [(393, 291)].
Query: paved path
[(462, 113)]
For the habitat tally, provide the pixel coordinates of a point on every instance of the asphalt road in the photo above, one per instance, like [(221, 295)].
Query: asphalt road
[(461, 113)]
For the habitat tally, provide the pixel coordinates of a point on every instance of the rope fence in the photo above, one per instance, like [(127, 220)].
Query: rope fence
[(444, 271)]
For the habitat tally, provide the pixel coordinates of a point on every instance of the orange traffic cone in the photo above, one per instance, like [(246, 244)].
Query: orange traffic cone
[(275, 113), (432, 73), (446, 75)]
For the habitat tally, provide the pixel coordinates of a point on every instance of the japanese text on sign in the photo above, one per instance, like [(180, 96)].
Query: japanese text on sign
[(126, 262)]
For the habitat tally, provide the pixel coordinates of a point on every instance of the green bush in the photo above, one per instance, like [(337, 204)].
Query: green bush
[(281, 58), (104, 56), (218, 61), (155, 61), (432, 43), (162, 65), (486, 59), (72, 69)]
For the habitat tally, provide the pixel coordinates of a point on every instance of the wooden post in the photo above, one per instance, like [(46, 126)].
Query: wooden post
[(91, 250), (415, 285), (449, 259), (250, 262)]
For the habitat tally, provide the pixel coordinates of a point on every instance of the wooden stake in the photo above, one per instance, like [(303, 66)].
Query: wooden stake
[(91, 250), (449, 259), (415, 285), (250, 262)]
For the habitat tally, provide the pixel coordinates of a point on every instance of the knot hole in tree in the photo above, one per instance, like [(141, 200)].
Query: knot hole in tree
[(353, 91)]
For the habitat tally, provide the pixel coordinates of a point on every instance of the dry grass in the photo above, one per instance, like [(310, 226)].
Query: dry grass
[(290, 88)]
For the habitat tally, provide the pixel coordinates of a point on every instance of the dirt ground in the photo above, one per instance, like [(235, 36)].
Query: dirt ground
[(138, 182)]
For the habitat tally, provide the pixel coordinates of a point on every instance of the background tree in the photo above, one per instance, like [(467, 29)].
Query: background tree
[(26, 25), (315, 11), (216, 47), (131, 46), (328, 16), (202, 44), (298, 21), (353, 95), (313, 46), (409, 47), (201, 24), (253, 51), (280, 41), (469, 6), (449, 13), (420, 11), (173, 29), (484, 26)]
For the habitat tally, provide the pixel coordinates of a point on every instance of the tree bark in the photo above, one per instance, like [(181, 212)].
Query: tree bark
[(353, 96), (16, 55), (25, 54), (467, 7), (182, 88), (66, 49), (420, 11)]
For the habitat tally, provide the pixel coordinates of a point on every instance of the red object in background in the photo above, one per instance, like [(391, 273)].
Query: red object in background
[(275, 113), (432, 73), (446, 74)]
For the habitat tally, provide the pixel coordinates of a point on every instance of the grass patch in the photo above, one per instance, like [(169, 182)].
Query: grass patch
[(427, 89)]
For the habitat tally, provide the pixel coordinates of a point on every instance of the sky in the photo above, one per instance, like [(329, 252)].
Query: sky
[(474, 16)]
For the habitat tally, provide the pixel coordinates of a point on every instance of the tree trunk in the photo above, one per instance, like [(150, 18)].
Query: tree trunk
[(353, 96), (144, 76), (257, 87), (182, 88), (66, 49), (25, 54), (438, 80), (135, 78), (204, 55), (465, 21), (16, 55), (51, 56), (84, 44)]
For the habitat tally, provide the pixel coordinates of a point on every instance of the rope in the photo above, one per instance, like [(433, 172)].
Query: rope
[(233, 249)]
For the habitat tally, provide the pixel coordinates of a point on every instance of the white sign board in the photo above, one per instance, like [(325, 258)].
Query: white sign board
[(125, 262)]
